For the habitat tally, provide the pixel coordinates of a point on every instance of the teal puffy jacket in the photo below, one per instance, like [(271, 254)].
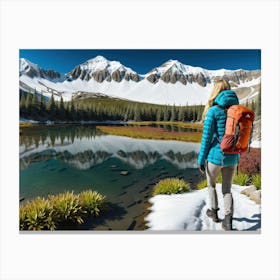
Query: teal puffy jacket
[(214, 129)]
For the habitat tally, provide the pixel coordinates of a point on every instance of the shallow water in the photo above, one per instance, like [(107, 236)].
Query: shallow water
[(55, 159)]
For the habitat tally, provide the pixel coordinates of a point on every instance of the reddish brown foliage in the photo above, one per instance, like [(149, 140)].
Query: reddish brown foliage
[(250, 162)]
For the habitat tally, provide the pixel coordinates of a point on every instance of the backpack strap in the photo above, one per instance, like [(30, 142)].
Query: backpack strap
[(224, 108)]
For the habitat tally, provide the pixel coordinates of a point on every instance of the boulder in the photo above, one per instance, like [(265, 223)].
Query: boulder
[(256, 196), (248, 191)]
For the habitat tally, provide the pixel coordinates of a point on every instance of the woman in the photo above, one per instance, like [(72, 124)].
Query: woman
[(211, 158)]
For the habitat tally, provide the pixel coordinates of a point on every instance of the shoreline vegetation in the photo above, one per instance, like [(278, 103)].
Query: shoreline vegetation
[(140, 130), (60, 211), (144, 132)]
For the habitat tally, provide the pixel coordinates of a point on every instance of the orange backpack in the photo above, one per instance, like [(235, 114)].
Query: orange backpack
[(239, 126)]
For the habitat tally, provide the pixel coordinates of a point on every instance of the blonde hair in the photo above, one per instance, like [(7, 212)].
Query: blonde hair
[(218, 87)]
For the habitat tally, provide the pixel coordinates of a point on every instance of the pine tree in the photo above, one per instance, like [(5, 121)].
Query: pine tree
[(51, 107), (258, 105), (28, 103), (42, 105), (61, 109), (35, 100), (253, 105), (181, 114), (22, 105), (137, 115), (166, 115), (158, 115)]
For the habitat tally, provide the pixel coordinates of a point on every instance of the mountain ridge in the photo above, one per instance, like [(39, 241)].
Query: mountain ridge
[(170, 83)]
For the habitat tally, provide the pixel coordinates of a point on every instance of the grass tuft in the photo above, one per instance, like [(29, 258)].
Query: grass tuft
[(171, 186), (241, 179), (201, 185), (52, 212), (256, 181)]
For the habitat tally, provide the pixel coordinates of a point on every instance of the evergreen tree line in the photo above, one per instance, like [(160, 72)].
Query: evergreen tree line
[(100, 109), (255, 105), (36, 107)]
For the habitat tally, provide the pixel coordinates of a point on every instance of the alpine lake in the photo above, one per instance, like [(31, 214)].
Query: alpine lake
[(59, 158)]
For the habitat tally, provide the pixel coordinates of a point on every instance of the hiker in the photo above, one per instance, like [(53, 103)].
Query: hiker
[(211, 159)]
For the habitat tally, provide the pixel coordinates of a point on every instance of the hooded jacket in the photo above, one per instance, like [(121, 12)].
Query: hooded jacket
[(214, 129)]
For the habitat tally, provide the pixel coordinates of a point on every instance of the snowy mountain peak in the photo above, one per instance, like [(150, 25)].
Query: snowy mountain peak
[(101, 69), (25, 65), (173, 64), (98, 59), (100, 63), (33, 70), (97, 63)]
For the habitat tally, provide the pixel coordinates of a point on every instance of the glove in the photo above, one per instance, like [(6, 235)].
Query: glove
[(202, 168)]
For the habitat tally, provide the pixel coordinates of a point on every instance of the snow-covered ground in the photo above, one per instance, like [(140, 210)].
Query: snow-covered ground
[(188, 212)]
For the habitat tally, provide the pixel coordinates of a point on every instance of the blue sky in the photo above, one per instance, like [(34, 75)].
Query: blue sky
[(143, 60)]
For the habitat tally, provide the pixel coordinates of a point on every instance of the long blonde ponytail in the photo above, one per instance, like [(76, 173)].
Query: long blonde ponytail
[(218, 87)]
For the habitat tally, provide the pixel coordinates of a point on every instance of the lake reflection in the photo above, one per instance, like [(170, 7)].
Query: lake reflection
[(54, 159)]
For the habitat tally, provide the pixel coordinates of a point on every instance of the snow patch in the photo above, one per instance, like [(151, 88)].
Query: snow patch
[(188, 211)]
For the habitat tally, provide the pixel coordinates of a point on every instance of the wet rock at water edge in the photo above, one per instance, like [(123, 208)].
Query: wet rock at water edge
[(132, 225)]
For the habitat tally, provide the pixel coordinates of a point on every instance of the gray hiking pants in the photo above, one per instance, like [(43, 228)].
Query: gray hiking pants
[(212, 171)]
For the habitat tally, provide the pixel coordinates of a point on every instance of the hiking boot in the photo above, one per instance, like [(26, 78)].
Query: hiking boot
[(227, 222), (213, 214)]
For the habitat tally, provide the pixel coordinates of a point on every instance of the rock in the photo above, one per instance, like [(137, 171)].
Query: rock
[(200, 79), (166, 77), (256, 196), (248, 191), (100, 76), (183, 80), (153, 78), (132, 225), (124, 172), (134, 77), (118, 75), (87, 77)]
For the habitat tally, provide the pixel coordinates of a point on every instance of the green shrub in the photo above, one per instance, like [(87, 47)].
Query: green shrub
[(56, 210), (171, 185), (201, 185), (91, 202), (256, 181), (241, 179), (36, 215), (66, 207)]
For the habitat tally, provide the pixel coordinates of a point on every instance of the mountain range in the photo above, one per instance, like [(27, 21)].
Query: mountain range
[(170, 83)]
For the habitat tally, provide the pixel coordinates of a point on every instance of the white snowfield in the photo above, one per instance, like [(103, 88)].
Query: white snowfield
[(188, 212)]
